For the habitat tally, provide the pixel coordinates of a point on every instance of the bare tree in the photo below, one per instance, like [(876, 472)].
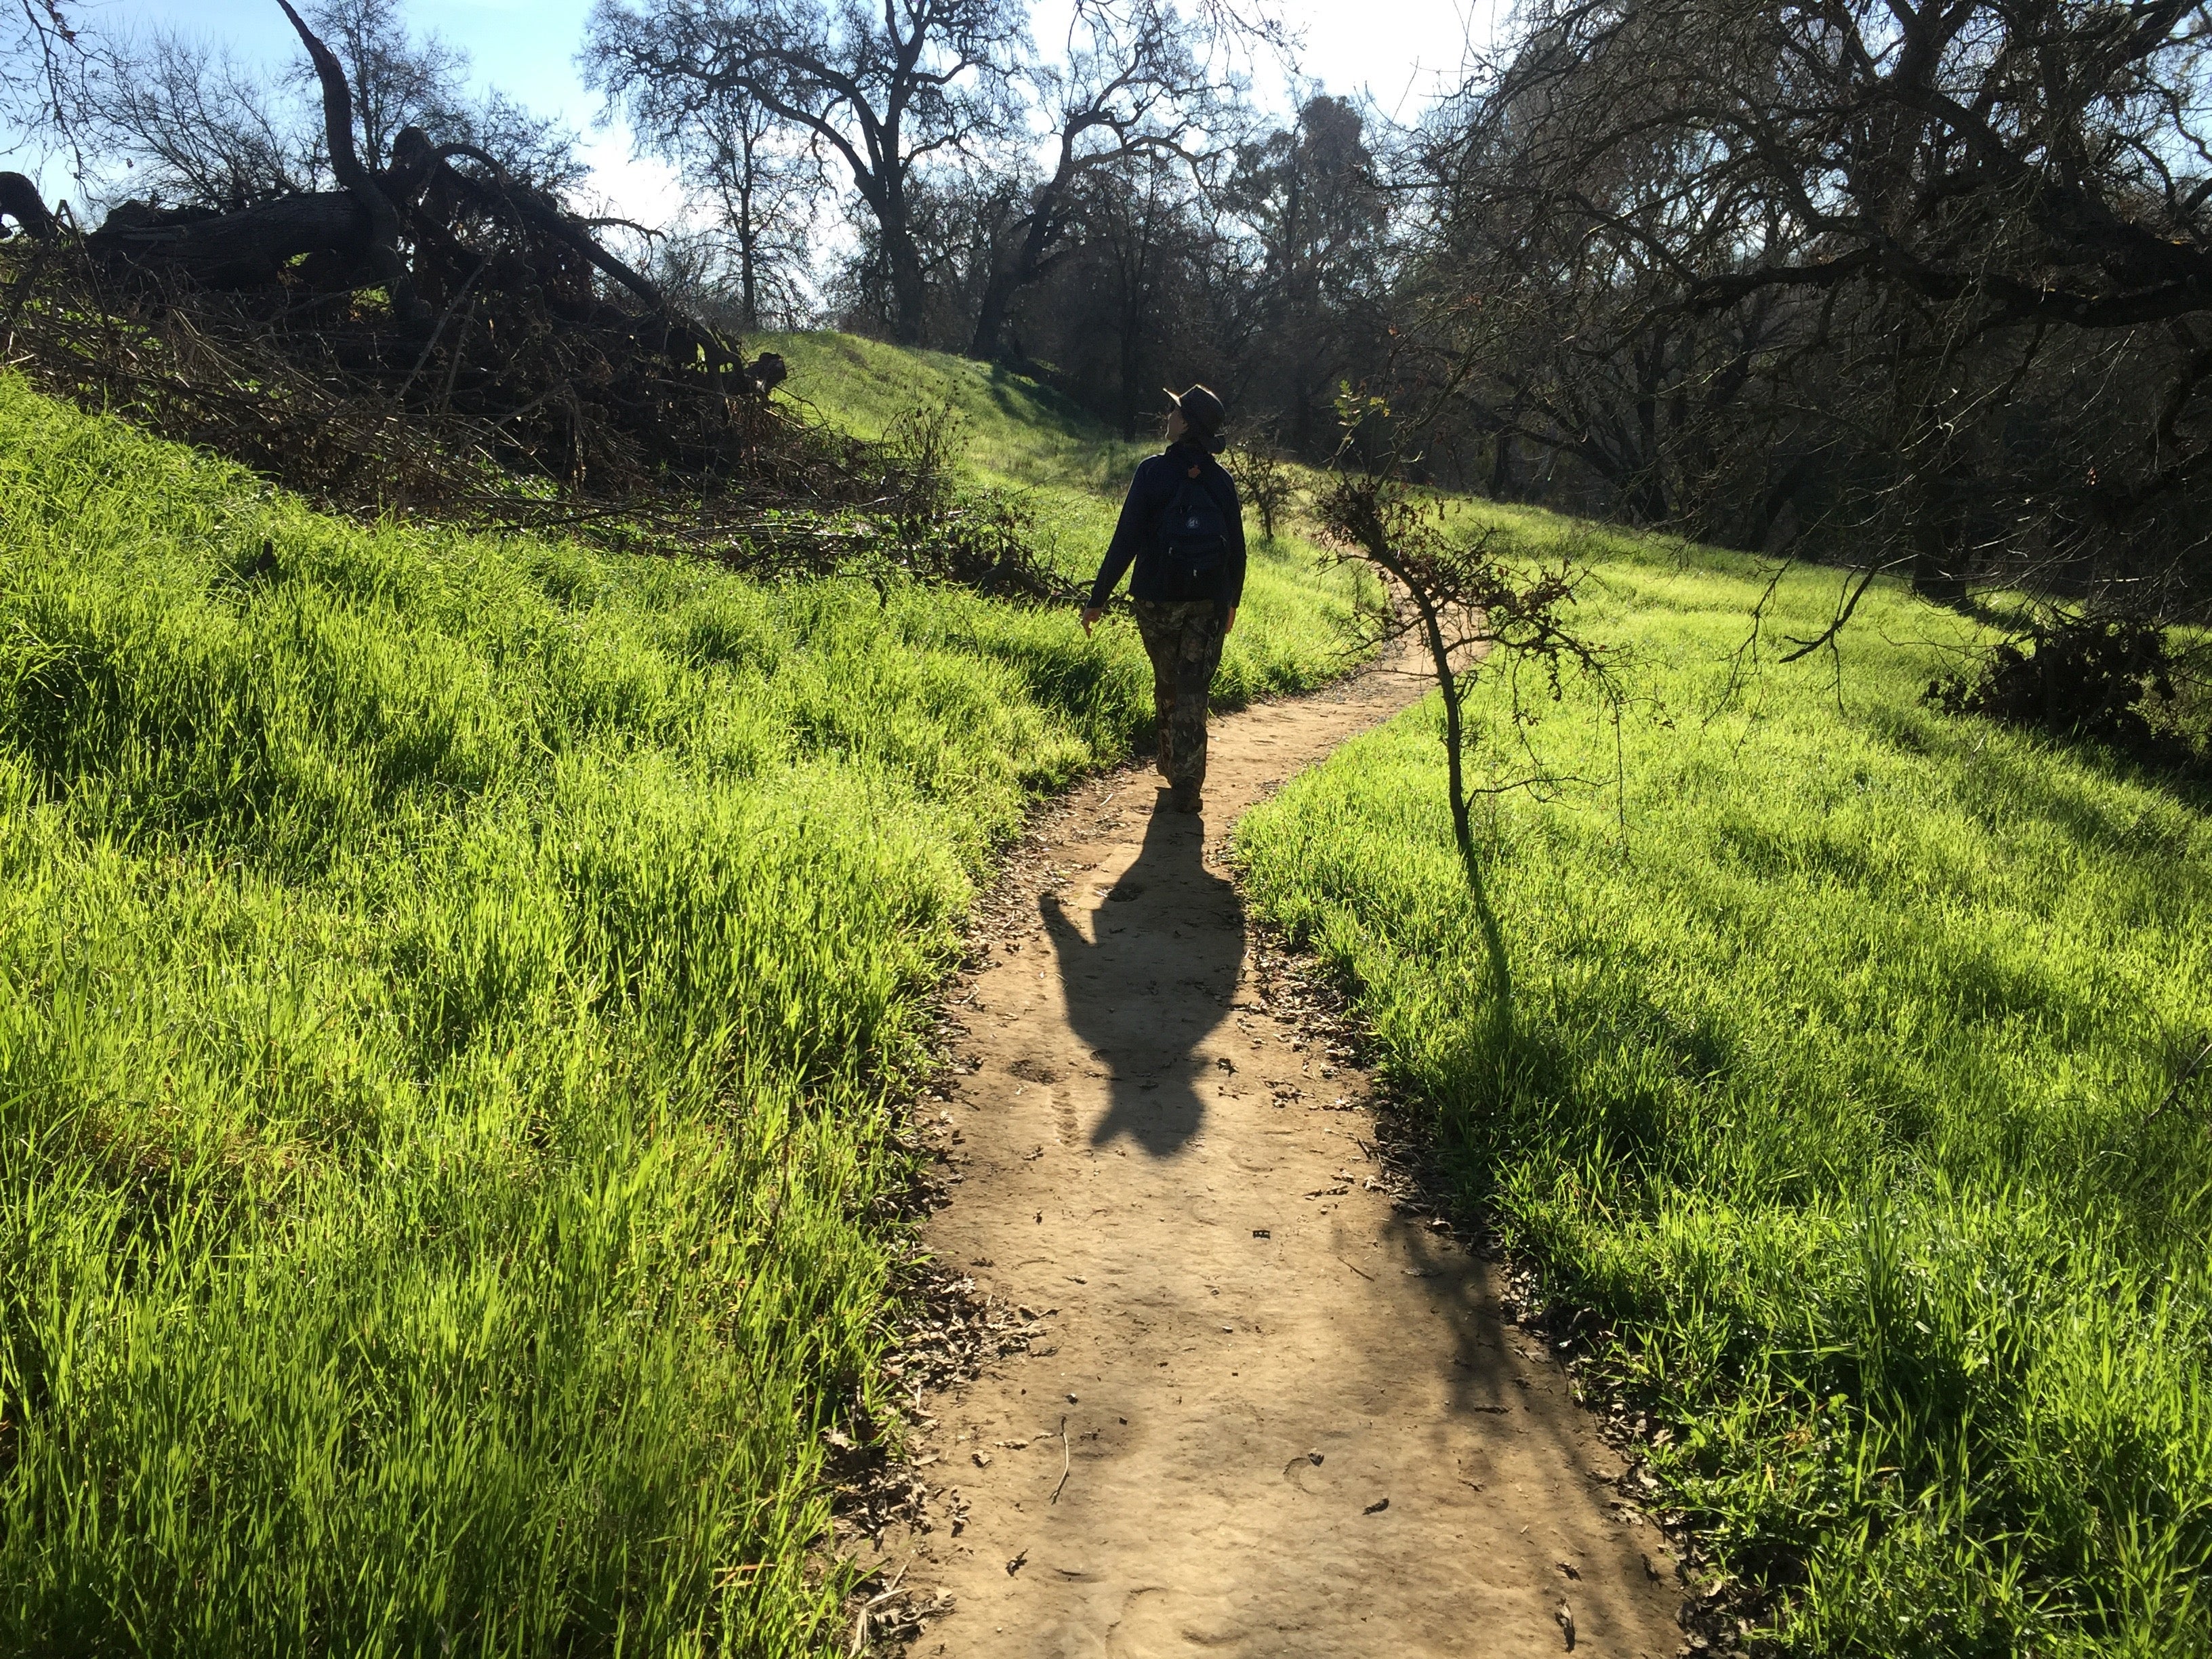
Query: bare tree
[(734, 150), (1136, 83), (42, 63), (1960, 251), (766, 190), (883, 91), (1135, 220), (177, 117), (1572, 358), (399, 78), (1473, 605), (404, 78), (188, 123)]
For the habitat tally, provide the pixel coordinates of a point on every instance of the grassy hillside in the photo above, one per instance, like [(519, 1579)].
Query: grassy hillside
[(1072, 472), (1019, 430), (453, 994), (1843, 1032)]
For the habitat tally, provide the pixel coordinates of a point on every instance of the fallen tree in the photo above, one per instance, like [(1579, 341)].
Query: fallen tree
[(396, 273), (441, 337)]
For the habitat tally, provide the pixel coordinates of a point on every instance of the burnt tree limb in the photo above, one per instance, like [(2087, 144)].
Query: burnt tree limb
[(419, 168), (383, 218), (248, 249), (19, 200), (548, 220)]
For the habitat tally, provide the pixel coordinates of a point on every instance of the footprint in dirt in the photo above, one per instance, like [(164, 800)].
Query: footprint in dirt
[(1143, 991)]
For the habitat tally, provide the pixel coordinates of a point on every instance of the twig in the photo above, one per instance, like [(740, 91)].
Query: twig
[(1362, 1271), (2182, 1082), (438, 333), (897, 1579), (1850, 596), (1067, 1459)]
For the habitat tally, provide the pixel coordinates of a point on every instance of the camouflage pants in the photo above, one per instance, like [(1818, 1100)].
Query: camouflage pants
[(1183, 639)]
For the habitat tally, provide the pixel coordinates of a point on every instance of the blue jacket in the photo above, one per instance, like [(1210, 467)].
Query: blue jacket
[(1136, 538)]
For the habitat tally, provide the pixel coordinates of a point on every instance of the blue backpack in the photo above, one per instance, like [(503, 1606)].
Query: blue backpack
[(1194, 543)]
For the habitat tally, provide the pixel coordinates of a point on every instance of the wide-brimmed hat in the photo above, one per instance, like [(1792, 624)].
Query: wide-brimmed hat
[(1204, 412)]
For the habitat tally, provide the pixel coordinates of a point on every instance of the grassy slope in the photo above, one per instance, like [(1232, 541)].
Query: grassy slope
[(1024, 436), (1842, 1026), (451, 996)]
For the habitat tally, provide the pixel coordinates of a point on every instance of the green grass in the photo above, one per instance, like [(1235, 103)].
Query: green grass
[(1842, 1030), (1024, 437), (1019, 430), (454, 996)]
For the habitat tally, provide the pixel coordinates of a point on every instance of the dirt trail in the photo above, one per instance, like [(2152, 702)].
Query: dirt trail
[(1295, 1423)]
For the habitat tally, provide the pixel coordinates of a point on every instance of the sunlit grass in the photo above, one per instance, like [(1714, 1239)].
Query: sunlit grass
[(1843, 1031), (1071, 470), (453, 997)]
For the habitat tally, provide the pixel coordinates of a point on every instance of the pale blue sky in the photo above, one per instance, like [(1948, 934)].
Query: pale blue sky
[(1396, 49)]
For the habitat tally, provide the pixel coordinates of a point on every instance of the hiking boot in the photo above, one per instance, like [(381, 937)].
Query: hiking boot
[(1186, 798)]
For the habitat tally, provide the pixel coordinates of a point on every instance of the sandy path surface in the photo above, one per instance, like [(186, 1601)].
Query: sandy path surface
[(1281, 1417)]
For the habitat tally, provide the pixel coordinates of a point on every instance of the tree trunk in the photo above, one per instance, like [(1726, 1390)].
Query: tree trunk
[(1779, 495), (246, 249), (1133, 359), (20, 201), (1453, 692), (380, 218), (1029, 264), (989, 338), (1937, 572), (909, 288), (748, 246), (1647, 497)]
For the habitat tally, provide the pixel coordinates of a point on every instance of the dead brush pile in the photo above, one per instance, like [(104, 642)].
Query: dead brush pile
[(439, 338), (514, 413)]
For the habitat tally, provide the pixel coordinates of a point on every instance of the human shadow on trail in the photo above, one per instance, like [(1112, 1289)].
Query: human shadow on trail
[(1157, 978)]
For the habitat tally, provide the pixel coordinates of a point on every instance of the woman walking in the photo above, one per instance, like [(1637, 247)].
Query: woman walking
[(1184, 530)]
